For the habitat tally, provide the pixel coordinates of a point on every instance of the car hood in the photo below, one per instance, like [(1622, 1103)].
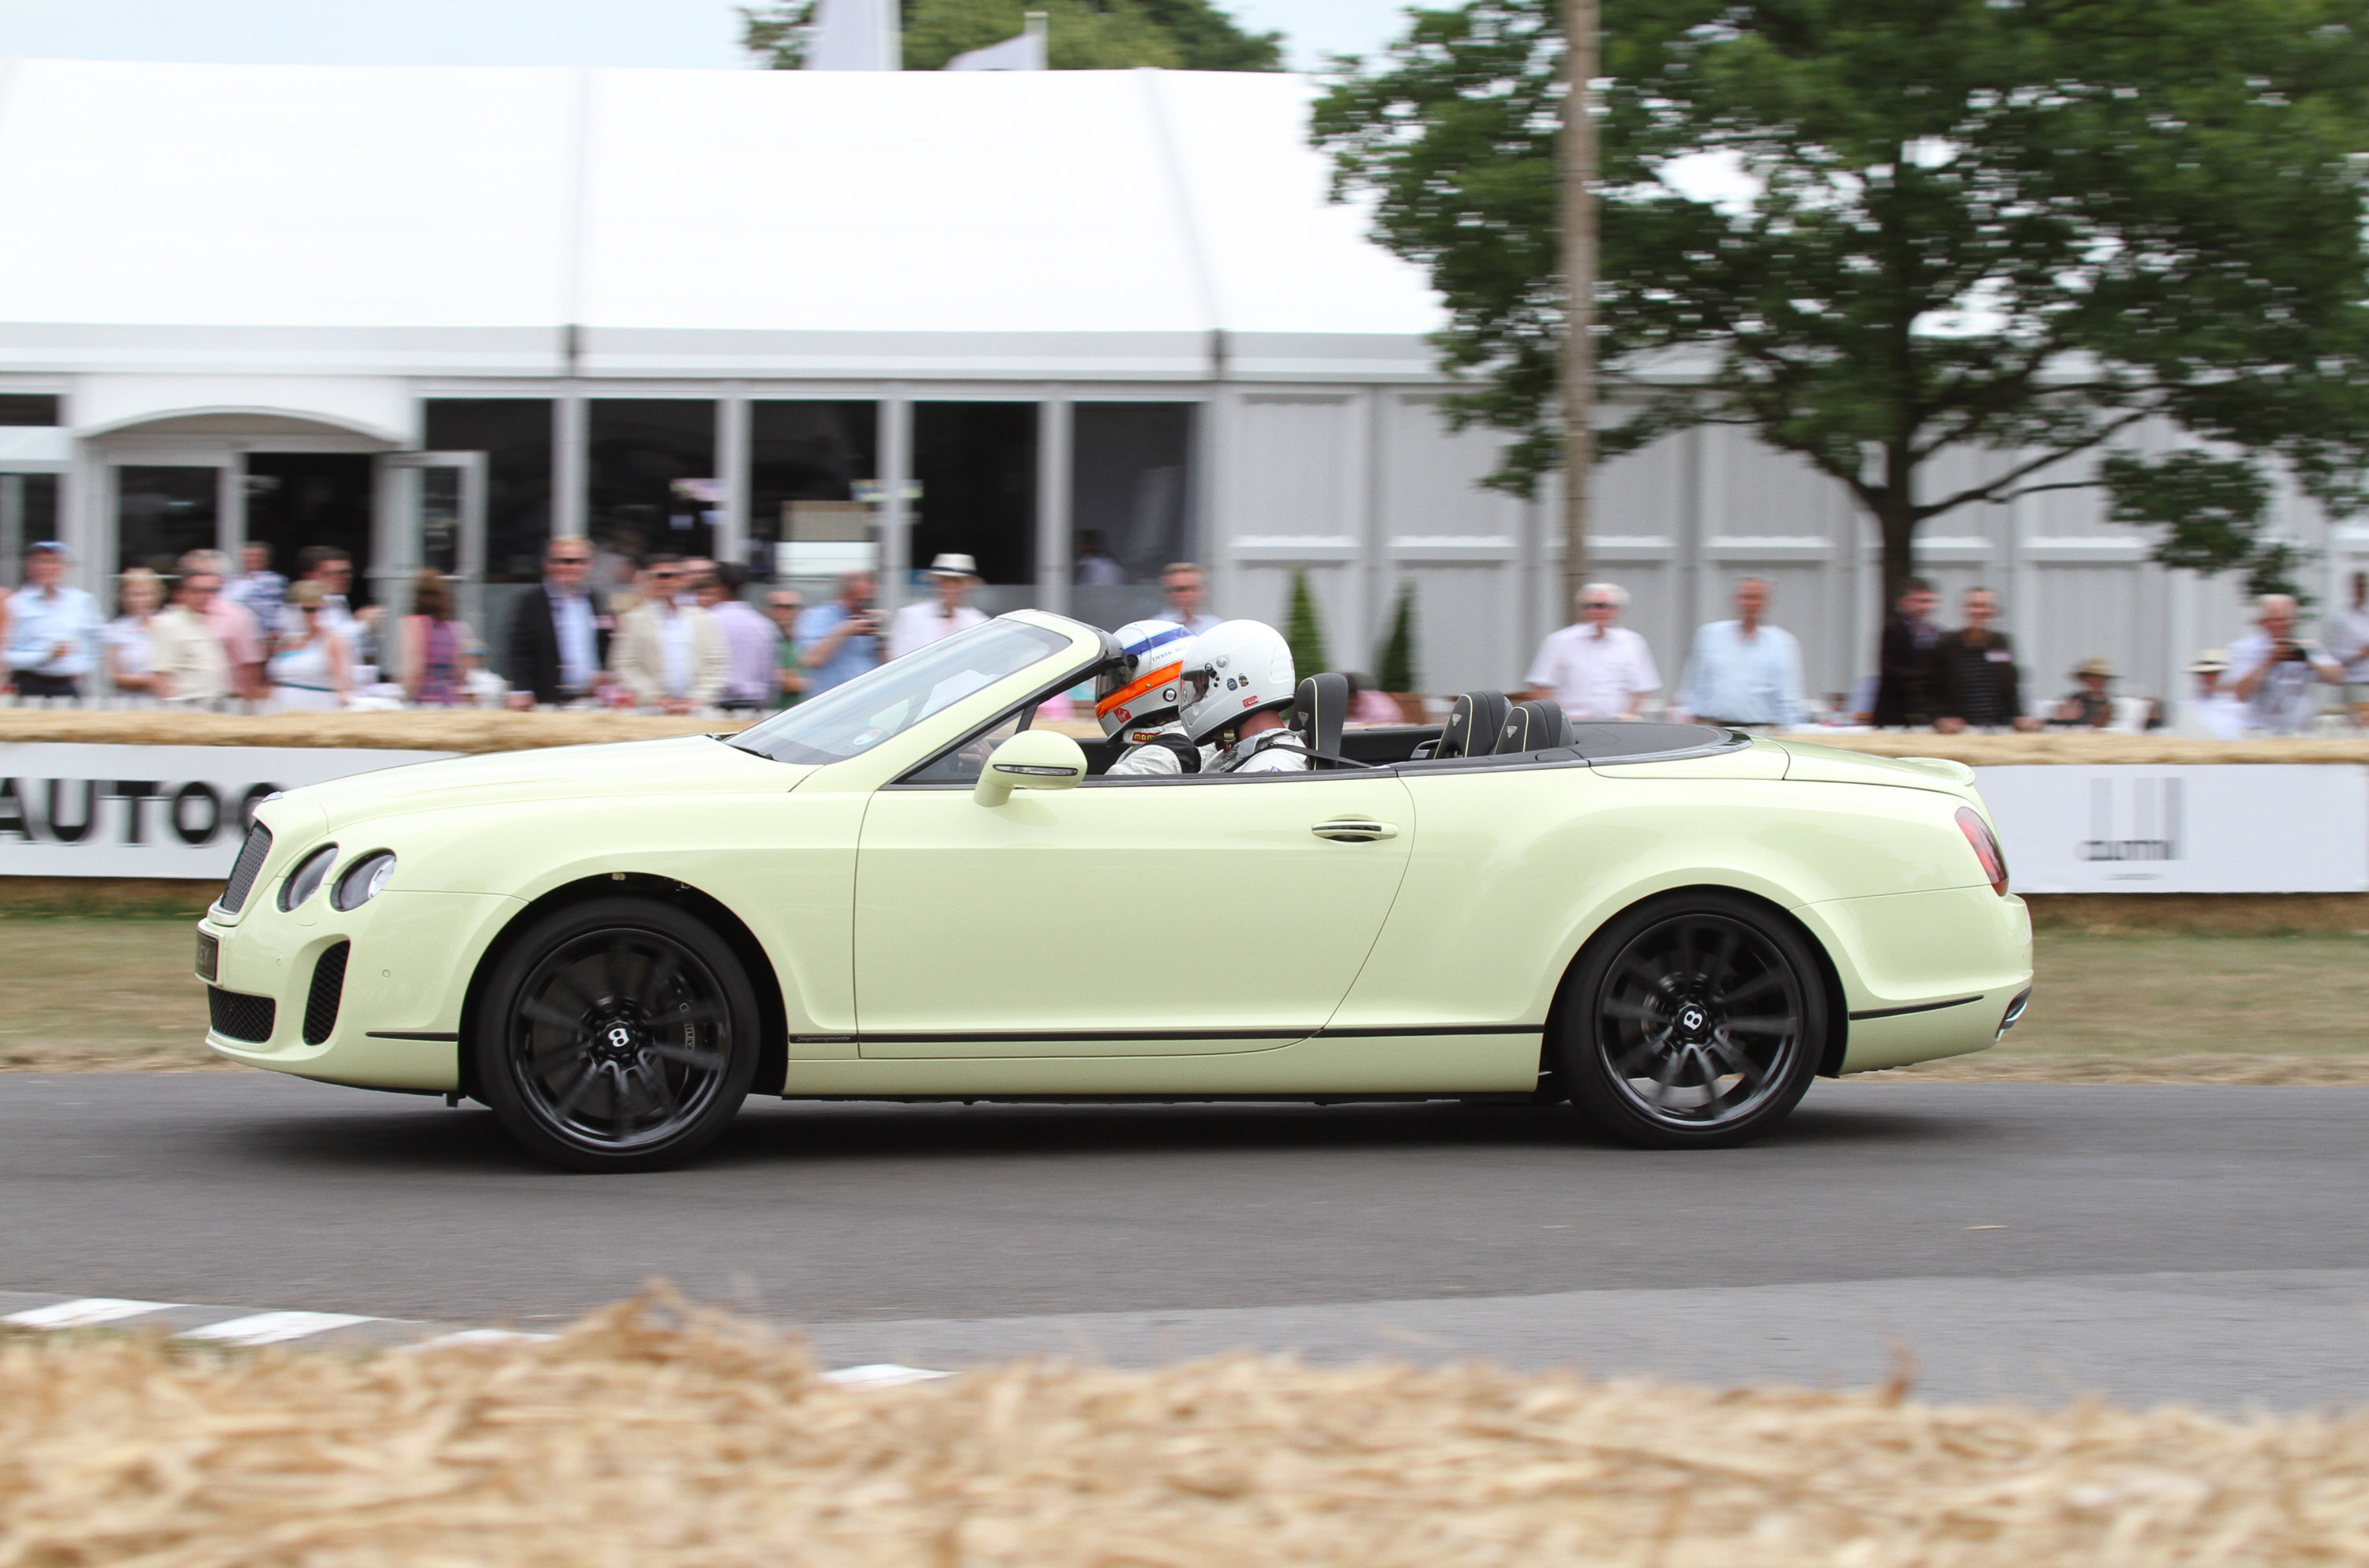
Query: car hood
[(682, 765), (1830, 764)]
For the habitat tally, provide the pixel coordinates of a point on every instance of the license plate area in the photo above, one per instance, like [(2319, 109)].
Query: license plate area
[(208, 956)]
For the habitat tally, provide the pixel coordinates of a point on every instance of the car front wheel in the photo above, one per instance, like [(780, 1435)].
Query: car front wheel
[(619, 1034), (1692, 1022)]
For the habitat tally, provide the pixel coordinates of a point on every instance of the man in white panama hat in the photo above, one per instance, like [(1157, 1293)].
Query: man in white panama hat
[(918, 625)]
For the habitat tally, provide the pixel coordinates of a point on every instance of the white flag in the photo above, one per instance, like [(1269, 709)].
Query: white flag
[(855, 35), (1025, 52)]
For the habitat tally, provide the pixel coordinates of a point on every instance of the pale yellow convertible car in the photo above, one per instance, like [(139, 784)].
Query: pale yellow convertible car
[(900, 890)]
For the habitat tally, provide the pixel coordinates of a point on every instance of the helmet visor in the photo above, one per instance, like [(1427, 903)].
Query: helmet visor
[(1155, 689)]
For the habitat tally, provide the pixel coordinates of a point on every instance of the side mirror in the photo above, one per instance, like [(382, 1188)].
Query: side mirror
[(1033, 759)]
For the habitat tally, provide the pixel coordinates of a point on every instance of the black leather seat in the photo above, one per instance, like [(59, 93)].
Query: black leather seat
[(1319, 704), (1475, 722), (1535, 725)]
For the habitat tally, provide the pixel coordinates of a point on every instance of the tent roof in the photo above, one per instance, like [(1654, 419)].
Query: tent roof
[(463, 220)]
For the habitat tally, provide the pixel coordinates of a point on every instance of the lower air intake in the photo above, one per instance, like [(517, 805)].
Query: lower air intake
[(237, 1016), (329, 985)]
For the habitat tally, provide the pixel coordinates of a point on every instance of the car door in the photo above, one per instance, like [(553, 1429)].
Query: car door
[(1143, 916)]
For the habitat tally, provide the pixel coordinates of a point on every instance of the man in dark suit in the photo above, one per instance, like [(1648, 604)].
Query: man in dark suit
[(559, 637), (1910, 689)]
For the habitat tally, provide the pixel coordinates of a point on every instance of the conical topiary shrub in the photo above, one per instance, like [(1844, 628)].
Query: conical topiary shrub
[(1302, 632), (1394, 671)]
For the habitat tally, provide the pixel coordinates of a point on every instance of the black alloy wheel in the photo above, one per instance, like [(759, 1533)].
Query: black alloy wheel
[(619, 1034), (1693, 1022)]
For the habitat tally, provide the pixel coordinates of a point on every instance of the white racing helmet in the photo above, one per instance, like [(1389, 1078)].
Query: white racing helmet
[(1144, 689), (1237, 669)]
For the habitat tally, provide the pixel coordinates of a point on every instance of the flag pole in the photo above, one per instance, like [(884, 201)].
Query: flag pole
[(1579, 265)]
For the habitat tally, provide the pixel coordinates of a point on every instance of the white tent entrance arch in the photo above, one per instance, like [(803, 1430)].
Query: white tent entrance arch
[(222, 477)]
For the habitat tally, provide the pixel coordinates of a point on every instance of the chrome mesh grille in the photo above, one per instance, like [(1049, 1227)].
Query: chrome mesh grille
[(329, 986), (251, 856), (237, 1016)]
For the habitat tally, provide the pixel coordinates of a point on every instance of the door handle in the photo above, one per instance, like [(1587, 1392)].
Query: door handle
[(1355, 830)]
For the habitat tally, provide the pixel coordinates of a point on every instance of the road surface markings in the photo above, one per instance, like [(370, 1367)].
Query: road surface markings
[(247, 1326), (274, 1328), (84, 1313)]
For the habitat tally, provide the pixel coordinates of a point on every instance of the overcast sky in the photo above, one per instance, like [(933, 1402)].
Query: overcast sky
[(512, 32)]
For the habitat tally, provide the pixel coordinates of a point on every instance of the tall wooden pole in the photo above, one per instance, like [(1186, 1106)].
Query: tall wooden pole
[(1580, 21)]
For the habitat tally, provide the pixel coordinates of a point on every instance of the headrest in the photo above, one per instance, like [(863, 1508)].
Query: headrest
[(1475, 719), (1535, 725), (1317, 709)]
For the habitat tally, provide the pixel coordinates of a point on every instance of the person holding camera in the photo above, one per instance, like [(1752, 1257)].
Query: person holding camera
[(839, 641), (2278, 674)]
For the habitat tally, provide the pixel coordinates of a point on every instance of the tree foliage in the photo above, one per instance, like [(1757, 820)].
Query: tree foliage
[(1395, 670), (2063, 230), (1082, 35), (1303, 632)]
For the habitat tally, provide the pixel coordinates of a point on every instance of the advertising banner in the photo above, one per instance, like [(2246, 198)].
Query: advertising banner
[(2240, 828), (177, 811)]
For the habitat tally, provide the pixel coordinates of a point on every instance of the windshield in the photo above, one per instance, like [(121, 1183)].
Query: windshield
[(850, 720)]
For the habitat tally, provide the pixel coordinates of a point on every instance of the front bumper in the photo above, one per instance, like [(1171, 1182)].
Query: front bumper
[(396, 1023)]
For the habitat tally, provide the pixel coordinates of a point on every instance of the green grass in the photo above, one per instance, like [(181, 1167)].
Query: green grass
[(115, 992)]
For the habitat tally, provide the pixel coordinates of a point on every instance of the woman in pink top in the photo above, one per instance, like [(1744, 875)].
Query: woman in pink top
[(435, 646)]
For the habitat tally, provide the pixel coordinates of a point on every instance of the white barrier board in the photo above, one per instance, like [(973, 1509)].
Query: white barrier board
[(180, 811), (2239, 828)]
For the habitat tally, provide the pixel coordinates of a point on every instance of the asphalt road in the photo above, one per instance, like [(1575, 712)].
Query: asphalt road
[(2200, 1244)]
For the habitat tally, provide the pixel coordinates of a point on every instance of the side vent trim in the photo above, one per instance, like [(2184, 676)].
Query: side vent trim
[(329, 990)]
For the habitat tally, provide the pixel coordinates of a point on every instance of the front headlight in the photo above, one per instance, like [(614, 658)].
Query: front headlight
[(306, 880), (363, 879)]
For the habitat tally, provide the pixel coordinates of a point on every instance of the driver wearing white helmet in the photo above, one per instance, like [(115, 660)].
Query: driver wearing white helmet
[(1237, 684), (1136, 701)]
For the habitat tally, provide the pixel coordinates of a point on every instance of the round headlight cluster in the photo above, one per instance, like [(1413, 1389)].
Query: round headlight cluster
[(306, 880), (363, 879)]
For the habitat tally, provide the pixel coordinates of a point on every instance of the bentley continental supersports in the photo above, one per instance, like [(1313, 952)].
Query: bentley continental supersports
[(903, 889)]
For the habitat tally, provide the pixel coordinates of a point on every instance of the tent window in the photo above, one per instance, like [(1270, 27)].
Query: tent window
[(977, 466), (1131, 504), (515, 435), (161, 512), (805, 460), (653, 470), (295, 499)]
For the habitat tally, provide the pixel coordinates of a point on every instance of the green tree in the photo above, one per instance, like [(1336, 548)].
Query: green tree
[(1304, 631), (1082, 35), (2085, 230), (1394, 671)]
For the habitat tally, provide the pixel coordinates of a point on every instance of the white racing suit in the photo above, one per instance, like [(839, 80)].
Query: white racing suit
[(1268, 751), (1159, 751)]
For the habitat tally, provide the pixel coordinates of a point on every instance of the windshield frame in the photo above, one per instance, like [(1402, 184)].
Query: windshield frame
[(1058, 668)]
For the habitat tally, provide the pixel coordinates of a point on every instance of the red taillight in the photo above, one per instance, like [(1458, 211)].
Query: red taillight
[(1987, 847)]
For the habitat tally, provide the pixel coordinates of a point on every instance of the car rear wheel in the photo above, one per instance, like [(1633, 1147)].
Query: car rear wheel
[(619, 1034), (1694, 1022)]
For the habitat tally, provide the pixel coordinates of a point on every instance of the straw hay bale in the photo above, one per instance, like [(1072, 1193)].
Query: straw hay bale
[(2066, 747), (485, 729), (457, 730), (639, 1440)]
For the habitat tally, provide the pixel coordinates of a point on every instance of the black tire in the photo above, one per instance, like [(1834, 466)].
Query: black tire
[(1694, 1021), (619, 1034)]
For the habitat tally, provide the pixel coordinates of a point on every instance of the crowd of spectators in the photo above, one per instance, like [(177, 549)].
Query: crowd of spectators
[(680, 635), (677, 635), (1745, 673)]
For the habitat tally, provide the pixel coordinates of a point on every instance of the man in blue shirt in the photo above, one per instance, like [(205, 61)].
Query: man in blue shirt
[(839, 641), (52, 627), (1742, 673)]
